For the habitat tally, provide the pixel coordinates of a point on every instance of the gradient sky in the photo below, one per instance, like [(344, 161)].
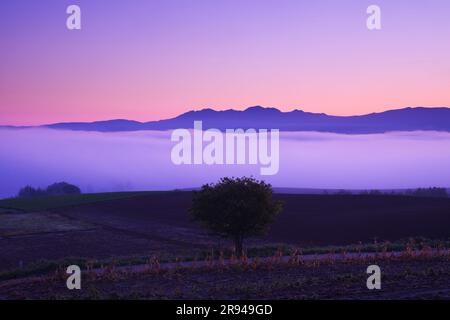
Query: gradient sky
[(153, 59)]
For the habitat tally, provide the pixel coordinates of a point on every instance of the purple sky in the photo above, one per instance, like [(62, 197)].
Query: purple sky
[(152, 59)]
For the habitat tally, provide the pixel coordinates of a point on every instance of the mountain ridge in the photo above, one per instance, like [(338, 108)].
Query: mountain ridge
[(258, 117)]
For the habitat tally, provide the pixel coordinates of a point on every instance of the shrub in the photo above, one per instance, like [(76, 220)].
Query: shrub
[(62, 188)]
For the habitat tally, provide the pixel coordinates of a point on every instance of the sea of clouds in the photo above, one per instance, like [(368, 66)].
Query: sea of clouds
[(98, 162)]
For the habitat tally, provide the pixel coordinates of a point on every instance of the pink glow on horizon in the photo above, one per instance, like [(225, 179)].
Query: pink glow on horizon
[(162, 58)]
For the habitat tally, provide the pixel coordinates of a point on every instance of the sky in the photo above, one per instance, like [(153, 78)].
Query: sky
[(153, 59)]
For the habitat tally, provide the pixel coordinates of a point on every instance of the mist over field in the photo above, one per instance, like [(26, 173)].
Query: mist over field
[(125, 161)]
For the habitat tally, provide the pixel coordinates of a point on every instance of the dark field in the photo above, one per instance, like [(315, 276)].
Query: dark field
[(158, 224), (405, 277), (315, 219), (39, 236)]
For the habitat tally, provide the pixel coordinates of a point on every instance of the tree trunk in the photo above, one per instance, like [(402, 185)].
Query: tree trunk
[(238, 245)]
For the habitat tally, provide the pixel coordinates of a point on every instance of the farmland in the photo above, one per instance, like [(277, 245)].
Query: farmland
[(39, 236)]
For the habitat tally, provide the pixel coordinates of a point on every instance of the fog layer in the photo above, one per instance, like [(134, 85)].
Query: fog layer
[(142, 161)]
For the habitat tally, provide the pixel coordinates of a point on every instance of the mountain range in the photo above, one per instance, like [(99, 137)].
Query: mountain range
[(407, 119)]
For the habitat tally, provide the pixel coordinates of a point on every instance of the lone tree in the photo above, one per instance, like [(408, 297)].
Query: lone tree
[(236, 208)]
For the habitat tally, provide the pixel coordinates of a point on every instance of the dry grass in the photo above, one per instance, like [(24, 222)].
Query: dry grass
[(405, 274)]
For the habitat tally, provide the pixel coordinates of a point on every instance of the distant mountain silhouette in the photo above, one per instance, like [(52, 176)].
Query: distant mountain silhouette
[(408, 119)]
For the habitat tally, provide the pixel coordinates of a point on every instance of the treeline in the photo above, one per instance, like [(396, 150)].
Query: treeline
[(433, 192), (428, 192), (56, 189)]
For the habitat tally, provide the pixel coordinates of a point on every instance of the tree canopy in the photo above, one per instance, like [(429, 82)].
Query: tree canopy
[(236, 208)]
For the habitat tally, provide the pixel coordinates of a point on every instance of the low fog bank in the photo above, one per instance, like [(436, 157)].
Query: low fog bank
[(127, 161)]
